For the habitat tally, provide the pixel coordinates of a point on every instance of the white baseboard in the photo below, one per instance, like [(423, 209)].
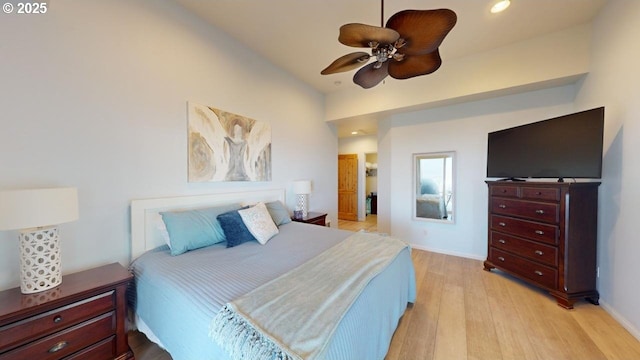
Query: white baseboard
[(453, 253), (619, 318)]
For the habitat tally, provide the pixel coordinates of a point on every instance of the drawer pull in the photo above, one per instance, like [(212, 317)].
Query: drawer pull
[(59, 346), (538, 252), (538, 272), (502, 206), (539, 232), (539, 193), (502, 224), (501, 241), (500, 258), (540, 212), (57, 319), (504, 191)]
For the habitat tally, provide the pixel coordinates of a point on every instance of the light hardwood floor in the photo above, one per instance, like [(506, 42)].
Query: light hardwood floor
[(463, 312)]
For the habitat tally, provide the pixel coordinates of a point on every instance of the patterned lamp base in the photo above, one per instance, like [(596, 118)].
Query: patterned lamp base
[(39, 260), (302, 204)]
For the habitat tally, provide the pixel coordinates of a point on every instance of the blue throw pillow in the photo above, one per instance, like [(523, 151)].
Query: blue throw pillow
[(193, 229), (234, 228), (278, 212)]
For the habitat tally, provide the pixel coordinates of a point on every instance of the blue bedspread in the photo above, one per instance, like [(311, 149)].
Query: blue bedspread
[(178, 296)]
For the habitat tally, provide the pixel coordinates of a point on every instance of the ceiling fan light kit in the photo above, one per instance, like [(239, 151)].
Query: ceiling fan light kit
[(406, 47)]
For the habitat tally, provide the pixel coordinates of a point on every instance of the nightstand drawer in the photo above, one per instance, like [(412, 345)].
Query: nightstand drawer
[(24, 331), (100, 351), (66, 342)]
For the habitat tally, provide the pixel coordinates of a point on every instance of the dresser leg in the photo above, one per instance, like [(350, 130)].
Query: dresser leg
[(488, 266), (565, 303), (593, 299)]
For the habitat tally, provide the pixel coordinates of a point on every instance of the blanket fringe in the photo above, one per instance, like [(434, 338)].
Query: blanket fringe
[(241, 340)]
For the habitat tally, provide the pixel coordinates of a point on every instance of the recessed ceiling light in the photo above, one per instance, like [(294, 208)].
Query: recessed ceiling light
[(354, 133), (500, 6)]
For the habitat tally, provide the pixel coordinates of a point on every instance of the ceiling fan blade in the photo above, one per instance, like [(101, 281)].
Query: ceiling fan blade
[(369, 76), (423, 30), (415, 65), (360, 35), (346, 63)]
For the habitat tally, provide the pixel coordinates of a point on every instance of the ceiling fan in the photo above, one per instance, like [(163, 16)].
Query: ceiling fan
[(406, 47)]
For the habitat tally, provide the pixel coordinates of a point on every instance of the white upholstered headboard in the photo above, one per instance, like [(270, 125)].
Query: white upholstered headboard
[(145, 214)]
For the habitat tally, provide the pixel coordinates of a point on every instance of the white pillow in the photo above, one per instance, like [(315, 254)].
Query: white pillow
[(259, 222)]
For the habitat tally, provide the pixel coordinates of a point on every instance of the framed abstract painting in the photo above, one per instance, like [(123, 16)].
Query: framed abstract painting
[(227, 147)]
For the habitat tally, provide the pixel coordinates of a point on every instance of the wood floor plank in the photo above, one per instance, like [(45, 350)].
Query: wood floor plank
[(600, 327), (508, 326), (482, 339), (451, 339)]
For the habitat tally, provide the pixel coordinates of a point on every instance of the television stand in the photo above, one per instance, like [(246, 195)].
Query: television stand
[(512, 179)]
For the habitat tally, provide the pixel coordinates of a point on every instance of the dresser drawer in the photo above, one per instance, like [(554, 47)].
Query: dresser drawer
[(66, 342), (527, 209), (540, 193), (504, 190), (34, 327), (527, 229), (533, 250), (538, 273)]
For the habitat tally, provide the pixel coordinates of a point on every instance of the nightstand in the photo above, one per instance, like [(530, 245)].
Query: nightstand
[(83, 318), (314, 218)]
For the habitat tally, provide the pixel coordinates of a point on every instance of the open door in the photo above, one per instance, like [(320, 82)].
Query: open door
[(348, 187)]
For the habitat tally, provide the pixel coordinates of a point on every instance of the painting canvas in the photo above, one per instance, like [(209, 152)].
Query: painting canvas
[(227, 147)]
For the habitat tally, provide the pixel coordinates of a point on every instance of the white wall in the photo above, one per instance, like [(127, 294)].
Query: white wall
[(463, 129), (94, 96), (359, 145), (614, 81)]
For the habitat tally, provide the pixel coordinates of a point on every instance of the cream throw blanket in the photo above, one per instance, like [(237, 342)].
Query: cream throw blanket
[(295, 315)]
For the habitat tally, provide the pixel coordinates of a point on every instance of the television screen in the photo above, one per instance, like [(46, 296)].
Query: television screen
[(568, 146)]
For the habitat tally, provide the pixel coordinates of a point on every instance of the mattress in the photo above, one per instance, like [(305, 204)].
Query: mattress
[(178, 296)]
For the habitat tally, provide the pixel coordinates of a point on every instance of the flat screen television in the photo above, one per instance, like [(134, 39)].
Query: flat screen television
[(568, 146)]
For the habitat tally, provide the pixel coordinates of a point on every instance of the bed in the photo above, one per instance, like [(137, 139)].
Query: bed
[(175, 299)]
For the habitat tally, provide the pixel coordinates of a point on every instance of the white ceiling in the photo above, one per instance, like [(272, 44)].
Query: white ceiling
[(301, 36)]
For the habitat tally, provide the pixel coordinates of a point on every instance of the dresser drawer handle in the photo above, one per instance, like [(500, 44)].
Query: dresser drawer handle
[(502, 241), (500, 258), (504, 191), (57, 319), (502, 206), (538, 272), (59, 346), (502, 224), (540, 212), (538, 252), (539, 232)]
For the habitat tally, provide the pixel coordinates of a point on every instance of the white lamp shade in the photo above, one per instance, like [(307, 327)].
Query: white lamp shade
[(25, 209), (302, 187)]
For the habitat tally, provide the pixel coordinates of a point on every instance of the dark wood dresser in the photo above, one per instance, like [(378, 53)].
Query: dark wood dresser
[(83, 318), (546, 234)]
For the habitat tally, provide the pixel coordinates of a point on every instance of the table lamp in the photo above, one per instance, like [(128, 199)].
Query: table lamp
[(37, 213), (302, 188)]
